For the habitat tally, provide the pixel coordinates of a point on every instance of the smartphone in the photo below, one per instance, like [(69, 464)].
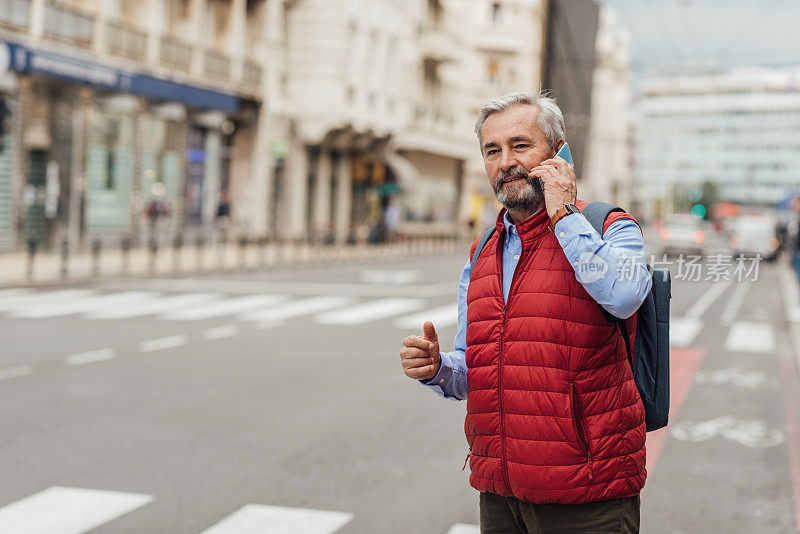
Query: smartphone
[(564, 153)]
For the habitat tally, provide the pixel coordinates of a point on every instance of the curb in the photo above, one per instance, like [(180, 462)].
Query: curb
[(254, 261)]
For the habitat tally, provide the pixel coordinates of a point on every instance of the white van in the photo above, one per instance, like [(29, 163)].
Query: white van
[(755, 234)]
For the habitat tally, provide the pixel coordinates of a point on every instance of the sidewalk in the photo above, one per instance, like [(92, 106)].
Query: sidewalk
[(49, 268)]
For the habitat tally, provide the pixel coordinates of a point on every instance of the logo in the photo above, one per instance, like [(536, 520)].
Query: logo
[(590, 268)]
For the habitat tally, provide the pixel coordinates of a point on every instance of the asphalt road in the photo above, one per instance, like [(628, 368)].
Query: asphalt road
[(277, 398)]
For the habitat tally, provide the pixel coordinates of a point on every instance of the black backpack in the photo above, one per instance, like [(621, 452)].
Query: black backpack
[(650, 357)]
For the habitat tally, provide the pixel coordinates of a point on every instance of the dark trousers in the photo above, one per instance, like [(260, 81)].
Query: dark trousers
[(507, 515)]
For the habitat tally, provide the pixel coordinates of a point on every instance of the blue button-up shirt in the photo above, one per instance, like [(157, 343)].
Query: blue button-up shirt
[(620, 290)]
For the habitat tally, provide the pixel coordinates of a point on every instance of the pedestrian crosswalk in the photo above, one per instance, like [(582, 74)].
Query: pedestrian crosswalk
[(272, 308), (406, 313), (69, 510)]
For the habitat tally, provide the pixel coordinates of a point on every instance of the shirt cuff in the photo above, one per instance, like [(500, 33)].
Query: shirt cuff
[(571, 226), (445, 372)]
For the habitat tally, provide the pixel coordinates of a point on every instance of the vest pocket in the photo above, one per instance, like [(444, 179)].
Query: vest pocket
[(581, 430)]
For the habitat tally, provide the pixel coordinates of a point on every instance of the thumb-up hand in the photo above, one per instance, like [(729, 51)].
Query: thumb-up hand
[(420, 355)]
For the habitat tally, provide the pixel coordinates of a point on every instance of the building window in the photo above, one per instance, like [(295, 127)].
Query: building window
[(111, 141), (493, 71), (497, 13)]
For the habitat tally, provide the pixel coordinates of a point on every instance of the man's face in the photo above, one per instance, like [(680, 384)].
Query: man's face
[(513, 144)]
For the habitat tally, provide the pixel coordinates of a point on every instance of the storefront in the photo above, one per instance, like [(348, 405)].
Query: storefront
[(98, 143)]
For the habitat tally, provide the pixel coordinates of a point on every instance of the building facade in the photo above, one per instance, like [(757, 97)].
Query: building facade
[(110, 103), (305, 120), (505, 54), (607, 169), (370, 116), (738, 130)]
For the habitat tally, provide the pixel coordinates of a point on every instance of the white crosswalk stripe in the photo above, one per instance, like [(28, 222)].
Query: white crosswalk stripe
[(14, 372), (84, 305), (369, 311), (42, 299), (746, 336), (159, 305), (262, 519), (440, 317), (91, 356), (461, 528), (225, 307), (297, 308), (390, 276), (60, 510), (163, 343), (683, 330), (221, 332)]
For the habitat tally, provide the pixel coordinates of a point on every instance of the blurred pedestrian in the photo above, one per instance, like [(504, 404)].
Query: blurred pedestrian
[(158, 209), (391, 218), (223, 216), (555, 424)]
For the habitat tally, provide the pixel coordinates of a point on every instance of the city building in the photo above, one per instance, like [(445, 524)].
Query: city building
[(367, 119), (606, 172), (111, 102), (738, 130), (505, 54), (302, 120)]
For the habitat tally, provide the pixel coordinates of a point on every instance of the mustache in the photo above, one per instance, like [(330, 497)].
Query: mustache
[(511, 174)]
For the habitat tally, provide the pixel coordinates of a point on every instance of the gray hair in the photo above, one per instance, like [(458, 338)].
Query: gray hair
[(550, 118)]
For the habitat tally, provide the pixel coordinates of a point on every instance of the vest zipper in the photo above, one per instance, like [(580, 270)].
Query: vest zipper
[(581, 430), (466, 459), (503, 461), (514, 279)]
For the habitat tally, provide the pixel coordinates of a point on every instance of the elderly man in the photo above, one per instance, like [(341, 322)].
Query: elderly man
[(555, 424)]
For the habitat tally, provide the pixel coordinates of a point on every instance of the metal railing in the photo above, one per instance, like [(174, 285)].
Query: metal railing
[(64, 23), (217, 64), (15, 13), (125, 40), (175, 53), (186, 254)]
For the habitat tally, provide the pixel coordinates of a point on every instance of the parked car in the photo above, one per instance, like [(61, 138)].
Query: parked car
[(755, 234), (683, 234)]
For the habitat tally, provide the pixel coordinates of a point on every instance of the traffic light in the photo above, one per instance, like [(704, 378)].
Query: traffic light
[(699, 211)]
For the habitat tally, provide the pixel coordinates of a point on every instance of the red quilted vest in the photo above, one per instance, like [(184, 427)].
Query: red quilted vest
[(553, 413)]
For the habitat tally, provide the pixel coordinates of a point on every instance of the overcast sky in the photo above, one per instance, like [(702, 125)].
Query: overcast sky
[(675, 36)]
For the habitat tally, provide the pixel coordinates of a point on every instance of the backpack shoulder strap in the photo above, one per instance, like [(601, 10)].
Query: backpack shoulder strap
[(596, 213), (482, 243)]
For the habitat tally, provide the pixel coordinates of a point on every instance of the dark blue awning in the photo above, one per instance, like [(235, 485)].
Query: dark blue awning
[(26, 60)]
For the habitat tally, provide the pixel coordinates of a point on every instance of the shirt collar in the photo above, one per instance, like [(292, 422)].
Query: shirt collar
[(511, 226)]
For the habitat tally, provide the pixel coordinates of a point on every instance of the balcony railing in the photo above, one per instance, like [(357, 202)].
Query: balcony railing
[(217, 64), (15, 13), (433, 118), (63, 23), (126, 41), (175, 53), (251, 73), (439, 44)]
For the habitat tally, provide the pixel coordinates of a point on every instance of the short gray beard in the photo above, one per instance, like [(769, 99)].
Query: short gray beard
[(525, 200)]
